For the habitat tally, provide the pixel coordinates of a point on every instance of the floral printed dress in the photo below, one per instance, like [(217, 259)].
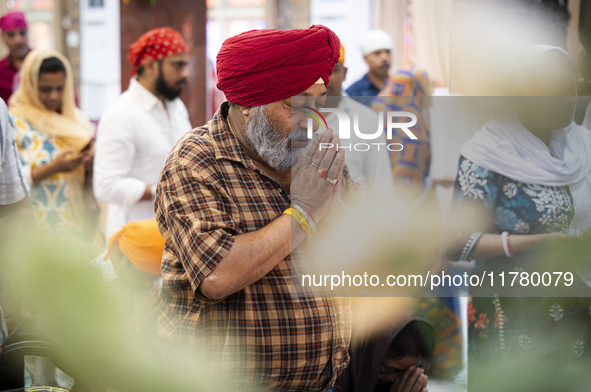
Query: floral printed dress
[(510, 327), (63, 207)]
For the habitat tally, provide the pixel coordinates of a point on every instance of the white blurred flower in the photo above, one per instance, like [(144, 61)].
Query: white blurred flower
[(556, 311), (578, 348)]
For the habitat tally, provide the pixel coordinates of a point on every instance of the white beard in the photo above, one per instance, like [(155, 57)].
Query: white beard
[(265, 139)]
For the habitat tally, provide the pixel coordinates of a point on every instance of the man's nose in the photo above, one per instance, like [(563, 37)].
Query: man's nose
[(303, 123), (185, 72)]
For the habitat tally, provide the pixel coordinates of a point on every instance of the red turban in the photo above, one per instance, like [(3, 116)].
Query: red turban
[(155, 44), (264, 66), (12, 21)]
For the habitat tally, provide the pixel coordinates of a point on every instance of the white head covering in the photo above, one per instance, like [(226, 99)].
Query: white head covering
[(506, 147), (375, 40)]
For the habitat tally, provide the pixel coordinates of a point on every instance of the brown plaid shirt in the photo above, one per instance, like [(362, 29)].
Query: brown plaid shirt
[(209, 192)]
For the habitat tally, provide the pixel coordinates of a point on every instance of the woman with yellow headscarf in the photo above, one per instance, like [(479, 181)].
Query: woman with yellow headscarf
[(54, 141)]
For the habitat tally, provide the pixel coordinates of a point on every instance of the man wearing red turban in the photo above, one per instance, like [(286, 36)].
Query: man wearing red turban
[(235, 198), (139, 129), (14, 36)]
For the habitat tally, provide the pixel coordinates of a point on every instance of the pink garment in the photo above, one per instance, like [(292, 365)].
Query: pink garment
[(12, 21), (7, 76)]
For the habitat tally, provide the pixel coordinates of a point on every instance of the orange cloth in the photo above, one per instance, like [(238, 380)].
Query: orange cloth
[(141, 243), (342, 58)]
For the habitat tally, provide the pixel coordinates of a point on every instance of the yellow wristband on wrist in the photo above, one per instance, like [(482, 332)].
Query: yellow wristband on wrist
[(301, 219)]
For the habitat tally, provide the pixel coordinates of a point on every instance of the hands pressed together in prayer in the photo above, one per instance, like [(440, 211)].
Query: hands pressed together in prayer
[(316, 186), (313, 177), (412, 380)]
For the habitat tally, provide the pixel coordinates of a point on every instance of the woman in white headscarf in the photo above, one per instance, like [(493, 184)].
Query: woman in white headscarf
[(529, 172)]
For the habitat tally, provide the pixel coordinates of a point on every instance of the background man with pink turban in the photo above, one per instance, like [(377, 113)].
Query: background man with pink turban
[(14, 36), (139, 129), (234, 202)]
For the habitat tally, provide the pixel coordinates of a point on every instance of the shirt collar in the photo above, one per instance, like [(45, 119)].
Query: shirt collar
[(145, 98), (227, 146)]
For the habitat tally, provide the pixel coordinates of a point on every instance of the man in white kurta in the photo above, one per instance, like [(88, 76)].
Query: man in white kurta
[(140, 128)]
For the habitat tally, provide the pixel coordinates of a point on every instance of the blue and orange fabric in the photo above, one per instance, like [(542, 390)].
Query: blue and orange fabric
[(443, 314), (408, 90)]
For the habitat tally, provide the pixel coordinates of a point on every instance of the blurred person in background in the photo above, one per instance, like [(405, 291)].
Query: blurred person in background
[(370, 168), (137, 132), (136, 254), (392, 356), (232, 213), (16, 218), (14, 188), (54, 139), (14, 36), (529, 172), (376, 47), (409, 90), (16, 225)]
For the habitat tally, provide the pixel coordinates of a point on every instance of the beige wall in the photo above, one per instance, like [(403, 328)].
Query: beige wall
[(3, 49)]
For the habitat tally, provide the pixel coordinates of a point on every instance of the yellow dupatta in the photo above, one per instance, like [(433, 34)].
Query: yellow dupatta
[(71, 126)]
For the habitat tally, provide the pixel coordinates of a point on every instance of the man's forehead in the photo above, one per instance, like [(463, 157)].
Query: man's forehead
[(316, 90), (178, 57), (14, 31), (379, 51)]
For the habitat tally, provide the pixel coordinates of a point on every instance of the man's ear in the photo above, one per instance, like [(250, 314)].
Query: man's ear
[(246, 110), (345, 72)]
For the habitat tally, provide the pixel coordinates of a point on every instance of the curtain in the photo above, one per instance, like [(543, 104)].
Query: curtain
[(431, 37), (389, 16), (430, 40)]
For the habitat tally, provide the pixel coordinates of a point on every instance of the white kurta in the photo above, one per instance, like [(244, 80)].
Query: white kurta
[(134, 138), (370, 168)]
